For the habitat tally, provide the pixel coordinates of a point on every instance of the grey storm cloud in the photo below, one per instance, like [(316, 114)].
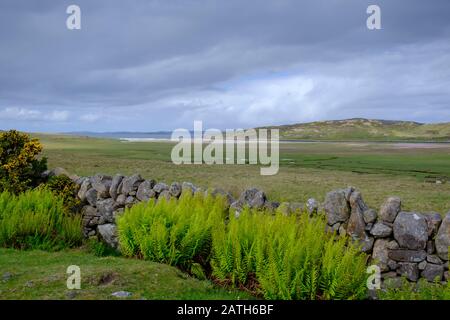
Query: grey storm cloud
[(158, 65)]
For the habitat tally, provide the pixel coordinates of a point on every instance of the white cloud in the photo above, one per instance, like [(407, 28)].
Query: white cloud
[(90, 117), (24, 114)]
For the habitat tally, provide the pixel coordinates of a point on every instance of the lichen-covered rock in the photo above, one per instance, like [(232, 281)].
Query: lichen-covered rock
[(187, 187), (380, 254), (381, 230), (91, 196), (160, 187), (367, 244), (130, 201), (130, 184), (442, 240), (393, 265), (393, 245), (336, 207), (390, 208), (85, 186), (434, 259), (411, 230), (120, 200), (106, 208), (433, 272), (312, 206), (402, 255), (408, 270), (115, 183), (145, 190), (422, 265), (101, 183), (108, 232), (434, 221), (90, 216), (356, 227), (175, 189), (253, 198), (370, 216)]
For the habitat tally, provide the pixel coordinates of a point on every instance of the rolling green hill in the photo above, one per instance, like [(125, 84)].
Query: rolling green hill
[(367, 130)]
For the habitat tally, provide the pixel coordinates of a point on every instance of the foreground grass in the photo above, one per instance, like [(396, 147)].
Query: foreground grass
[(307, 170), (42, 275)]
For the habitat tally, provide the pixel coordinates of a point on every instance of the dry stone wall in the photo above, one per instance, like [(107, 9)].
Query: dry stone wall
[(403, 244)]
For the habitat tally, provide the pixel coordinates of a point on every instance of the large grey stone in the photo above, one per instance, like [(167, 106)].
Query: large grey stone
[(356, 225), (442, 240), (85, 186), (434, 259), (108, 233), (390, 208), (403, 255), (106, 208), (101, 183), (145, 191), (252, 198), (130, 184), (411, 230), (380, 254), (336, 207), (408, 270), (121, 200), (434, 221), (115, 185), (312, 206), (90, 216), (175, 189), (188, 187), (160, 187), (381, 230), (91, 196), (433, 272), (367, 244), (370, 216)]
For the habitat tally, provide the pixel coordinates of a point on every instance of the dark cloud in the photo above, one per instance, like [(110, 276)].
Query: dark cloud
[(151, 65)]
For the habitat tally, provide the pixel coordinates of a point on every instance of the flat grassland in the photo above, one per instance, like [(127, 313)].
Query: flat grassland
[(42, 275), (307, 170)]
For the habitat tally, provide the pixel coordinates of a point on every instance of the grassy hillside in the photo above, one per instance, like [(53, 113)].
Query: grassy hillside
[(367, 130), (42, 275)]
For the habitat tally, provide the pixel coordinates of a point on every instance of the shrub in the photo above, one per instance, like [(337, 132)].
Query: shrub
[(67, 190), (176, 232), (288, 259), (19, 168), (36, 220)]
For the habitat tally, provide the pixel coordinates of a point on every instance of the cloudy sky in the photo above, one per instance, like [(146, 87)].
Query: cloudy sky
[(143, 65)]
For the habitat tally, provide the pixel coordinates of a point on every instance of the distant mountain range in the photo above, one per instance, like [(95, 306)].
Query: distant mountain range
[(359, 129)]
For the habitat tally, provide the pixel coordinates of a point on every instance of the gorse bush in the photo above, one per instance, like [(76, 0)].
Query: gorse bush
[(36, 220), (63, 187), (288, 257), (20, 169), (176, 232)]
